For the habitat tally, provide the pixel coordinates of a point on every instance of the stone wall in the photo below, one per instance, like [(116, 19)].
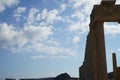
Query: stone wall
[(86, 70)]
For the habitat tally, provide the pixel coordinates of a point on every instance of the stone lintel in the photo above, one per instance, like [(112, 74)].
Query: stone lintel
[(108, 2), (105, 14)]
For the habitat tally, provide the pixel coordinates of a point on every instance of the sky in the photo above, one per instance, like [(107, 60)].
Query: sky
[(43, 38)]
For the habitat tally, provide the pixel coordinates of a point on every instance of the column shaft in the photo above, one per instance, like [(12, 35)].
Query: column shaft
[(114, 67), (100, 52)]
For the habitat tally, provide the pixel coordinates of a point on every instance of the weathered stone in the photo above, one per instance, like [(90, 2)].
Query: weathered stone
[(118, 73), (94, 66), (116, 70), (114, 66), (111, 2)]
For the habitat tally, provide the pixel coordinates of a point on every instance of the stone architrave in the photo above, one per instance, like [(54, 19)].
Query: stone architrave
[(94, 66)]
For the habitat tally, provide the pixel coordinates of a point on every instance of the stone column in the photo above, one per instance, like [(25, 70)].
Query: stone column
[(100, 55), (114, 67), (93, 31), (118, 73)]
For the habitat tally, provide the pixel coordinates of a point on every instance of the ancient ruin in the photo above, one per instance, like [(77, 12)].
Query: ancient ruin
[(94, 66), (116, 70)]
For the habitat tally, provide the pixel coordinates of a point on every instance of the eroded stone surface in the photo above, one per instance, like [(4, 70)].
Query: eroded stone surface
[(94, 66)]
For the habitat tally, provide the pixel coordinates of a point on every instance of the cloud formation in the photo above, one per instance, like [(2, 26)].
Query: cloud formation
[(18, 12), (112, 28), (12, 37), (45, 16), (31, 39), (51, 57), (7, 3), (38, 33), (34, 37), (76, 39)]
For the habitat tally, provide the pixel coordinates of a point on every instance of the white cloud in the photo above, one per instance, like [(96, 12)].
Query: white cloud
[(53, 16), (53, 42), (37, 38), (112, 29), (32, 15), (18, 12), (51, 57), (5, 36), (75, 26), (67, 19), (37, 32), (50, 16), (76, 39), (82, 10), (63, 7), (47, 16), (79, 14), (79, 26), (11, 37), (31, 39), (80, 3), (7, 3), (82, 25), (76, 3), (50, 49)]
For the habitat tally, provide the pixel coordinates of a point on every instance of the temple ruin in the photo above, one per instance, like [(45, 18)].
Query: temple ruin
[(94, 66), (116, 70)]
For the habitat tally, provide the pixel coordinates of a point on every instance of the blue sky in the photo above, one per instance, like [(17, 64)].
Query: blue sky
[(43, 38)]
